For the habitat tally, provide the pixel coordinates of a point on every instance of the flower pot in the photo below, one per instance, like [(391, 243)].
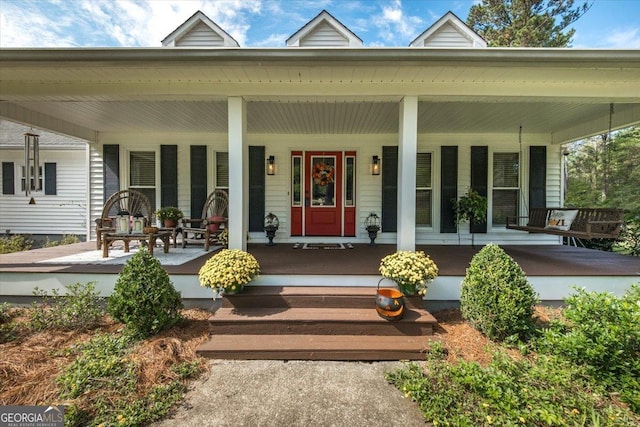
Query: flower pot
[(235, 290), (408, 288), (170, 223), (214, 223)]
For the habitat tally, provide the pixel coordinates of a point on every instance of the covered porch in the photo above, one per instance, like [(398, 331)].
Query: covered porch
[(552, 269), (203, 119)]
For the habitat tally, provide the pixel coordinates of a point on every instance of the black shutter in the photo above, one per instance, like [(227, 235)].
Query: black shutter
[(479, 173), (389, 189), (50, 171), (256, 188), (111, 174), (198, 171), (168, 175), (537, 177), (449, 188), (8, 178)]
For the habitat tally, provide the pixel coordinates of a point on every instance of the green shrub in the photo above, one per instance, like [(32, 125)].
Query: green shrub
[(144, 298), (547, 391), (629, 240), (81, 308), (104, 384), (4, 312), (602, 333), (496, 297), (100, 361), (15, 243), (8, 328), (67, 239)]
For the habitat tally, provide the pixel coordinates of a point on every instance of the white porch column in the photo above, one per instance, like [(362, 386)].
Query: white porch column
[(238, 174), (407, 149)]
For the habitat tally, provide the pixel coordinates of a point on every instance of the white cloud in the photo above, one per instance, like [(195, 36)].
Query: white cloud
[(272, 40), (624, 39), (394, 25)]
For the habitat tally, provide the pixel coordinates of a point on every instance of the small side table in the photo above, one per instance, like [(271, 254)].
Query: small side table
[(148, 239), (174, 234)]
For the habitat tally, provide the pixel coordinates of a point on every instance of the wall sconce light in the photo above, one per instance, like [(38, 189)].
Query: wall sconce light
[(375, 165), (271, 165)]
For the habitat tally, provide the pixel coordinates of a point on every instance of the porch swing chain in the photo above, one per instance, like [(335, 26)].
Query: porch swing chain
[(524, 202)]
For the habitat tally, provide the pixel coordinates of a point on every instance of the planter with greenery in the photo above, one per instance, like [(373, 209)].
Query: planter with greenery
[(228, 271), (471, 208), (412, 271), (169, 215)]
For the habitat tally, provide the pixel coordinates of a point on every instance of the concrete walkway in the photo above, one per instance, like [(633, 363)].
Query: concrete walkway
[(295, 393)]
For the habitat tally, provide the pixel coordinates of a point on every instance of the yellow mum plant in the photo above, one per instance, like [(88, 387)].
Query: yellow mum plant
[(228, 271), (412, 271)]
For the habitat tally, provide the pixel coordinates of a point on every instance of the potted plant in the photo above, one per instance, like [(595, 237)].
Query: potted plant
[(228, 271), (169, 215), (411, 270), (471, 208)]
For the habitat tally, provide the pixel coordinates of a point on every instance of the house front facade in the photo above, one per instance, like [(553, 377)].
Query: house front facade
[(324, 132)]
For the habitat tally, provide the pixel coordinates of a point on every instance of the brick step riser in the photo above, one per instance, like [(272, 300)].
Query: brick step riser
[(398, 328), (290, 301)]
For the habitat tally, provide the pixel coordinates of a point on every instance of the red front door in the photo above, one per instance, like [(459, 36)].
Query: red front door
[(323, 193)]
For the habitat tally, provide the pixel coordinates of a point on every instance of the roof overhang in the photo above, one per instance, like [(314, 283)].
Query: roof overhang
[(563, 93)]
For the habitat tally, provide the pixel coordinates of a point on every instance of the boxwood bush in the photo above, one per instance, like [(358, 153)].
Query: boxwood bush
[(497, 299), (144, 298), (601, 332)]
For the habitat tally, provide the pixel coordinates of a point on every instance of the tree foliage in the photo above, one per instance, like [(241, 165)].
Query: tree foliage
[(526, 23), (590, 161)]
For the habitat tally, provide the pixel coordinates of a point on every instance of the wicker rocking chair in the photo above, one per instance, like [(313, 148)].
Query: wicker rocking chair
[(131, 201), (205, 230)]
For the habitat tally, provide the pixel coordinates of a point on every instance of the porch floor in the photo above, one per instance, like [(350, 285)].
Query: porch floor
[(283, 259)]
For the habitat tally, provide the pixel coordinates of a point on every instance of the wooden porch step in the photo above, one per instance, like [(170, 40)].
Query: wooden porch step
[(309, 296), (315, 323), (319, 321), (315, 347)]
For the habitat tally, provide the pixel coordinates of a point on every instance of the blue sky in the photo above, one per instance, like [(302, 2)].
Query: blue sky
[(268, 23)]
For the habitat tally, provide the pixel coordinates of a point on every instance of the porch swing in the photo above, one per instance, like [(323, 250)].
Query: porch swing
[(575, 224)]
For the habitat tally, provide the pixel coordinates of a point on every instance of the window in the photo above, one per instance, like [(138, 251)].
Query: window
[(33, 183), (423, 190), (506, 170), (8, 186), (142, 174), (350, 179), (222, 170), (48, 179), (296, 180)]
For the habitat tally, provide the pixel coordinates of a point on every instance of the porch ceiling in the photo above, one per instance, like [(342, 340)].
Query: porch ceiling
[(332, 115)]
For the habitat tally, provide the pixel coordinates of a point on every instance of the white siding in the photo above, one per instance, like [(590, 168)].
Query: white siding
[(62, 213), (448, 36), (200, 35), (96, 186), (368, 187), (324, 35)]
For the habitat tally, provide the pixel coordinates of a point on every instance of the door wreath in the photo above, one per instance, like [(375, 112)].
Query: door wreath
[(323, 174)]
